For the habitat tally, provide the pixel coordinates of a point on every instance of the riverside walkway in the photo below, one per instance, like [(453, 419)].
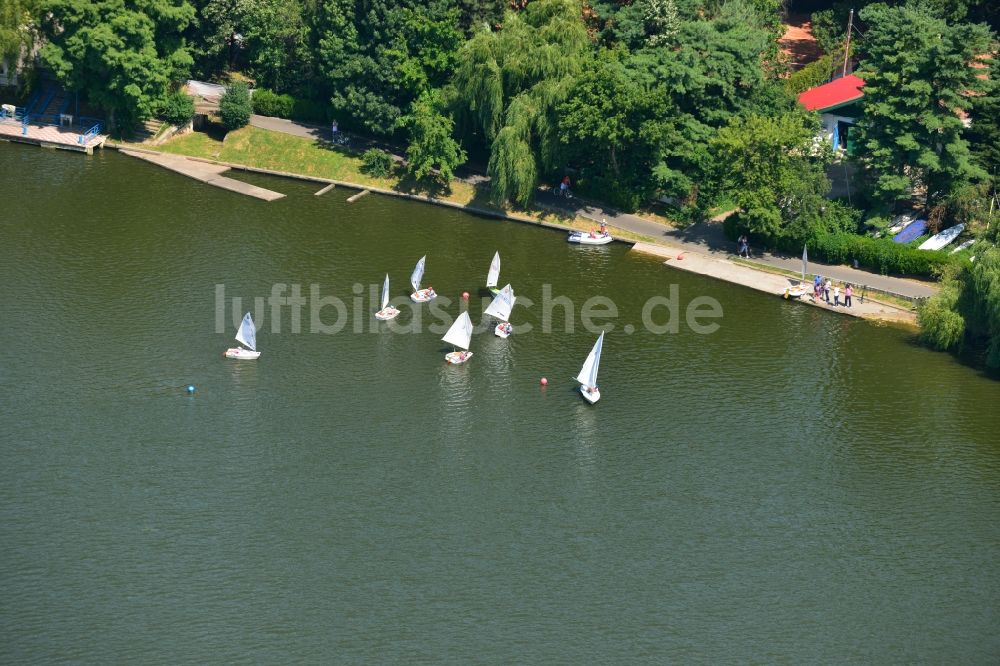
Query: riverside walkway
[(723, 269), (707, 238), (205, 172)]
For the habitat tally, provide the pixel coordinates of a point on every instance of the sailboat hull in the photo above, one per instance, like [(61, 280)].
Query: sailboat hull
[(590, 395), (423, 296), (457, 357), (242, 354), (501, 331), (387, 313)]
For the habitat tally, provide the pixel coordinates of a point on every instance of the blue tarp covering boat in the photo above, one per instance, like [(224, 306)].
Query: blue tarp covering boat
[(912, 231)]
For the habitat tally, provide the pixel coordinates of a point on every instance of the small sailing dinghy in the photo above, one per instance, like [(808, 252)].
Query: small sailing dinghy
[(493, 275), (420, 295), (459, 335), (590, 238), (388, 311), (588, 373), (500, 308), (247, 335)]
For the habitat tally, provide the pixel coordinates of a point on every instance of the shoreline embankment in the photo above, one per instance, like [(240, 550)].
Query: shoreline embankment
[(674, 256)]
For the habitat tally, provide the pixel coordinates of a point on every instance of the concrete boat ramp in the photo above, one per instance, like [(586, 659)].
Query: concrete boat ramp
[(206, 172)]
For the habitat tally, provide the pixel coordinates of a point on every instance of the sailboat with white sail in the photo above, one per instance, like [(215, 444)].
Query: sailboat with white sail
[(459, 335), (500, 308), (420, 295), (588, 373), (493, 275), (247, 335), (388, 311)]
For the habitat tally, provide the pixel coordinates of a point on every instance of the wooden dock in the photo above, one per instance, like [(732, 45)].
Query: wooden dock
[(205, 172), (49, 136)]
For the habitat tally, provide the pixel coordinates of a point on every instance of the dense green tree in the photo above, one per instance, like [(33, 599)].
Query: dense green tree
[(983, 133), (774, 171), (218, 35), (917, 79), (510, 83), (16, 33), (967, 307), (276, 45), (377, 57), (433, 151), (235, 107), (615, 130), (123, 54), (980, 300), (714, 72)]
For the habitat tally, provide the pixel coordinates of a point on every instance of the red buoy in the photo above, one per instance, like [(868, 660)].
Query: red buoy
[(465, 295), (543, 381)]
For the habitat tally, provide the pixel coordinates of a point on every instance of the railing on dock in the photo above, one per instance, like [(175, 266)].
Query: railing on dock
[(89, 134)]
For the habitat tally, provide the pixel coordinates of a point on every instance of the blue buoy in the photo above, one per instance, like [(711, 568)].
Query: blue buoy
[(190, 388)]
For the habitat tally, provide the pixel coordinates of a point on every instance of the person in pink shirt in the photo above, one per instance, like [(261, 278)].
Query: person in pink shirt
[(848, 292)]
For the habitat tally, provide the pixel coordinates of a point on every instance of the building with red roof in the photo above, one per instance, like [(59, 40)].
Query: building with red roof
[(842, 96)]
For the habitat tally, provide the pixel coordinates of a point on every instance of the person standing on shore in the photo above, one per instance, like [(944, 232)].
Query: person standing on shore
[(848, 292), (826, 290), (836, 295), (744, 246)]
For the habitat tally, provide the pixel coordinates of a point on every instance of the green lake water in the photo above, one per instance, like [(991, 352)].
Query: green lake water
[(796, 487)]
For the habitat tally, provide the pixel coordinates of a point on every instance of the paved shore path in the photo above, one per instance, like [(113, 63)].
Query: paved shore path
[(203, 171), (704, 238), (771, 283), (707, 238)]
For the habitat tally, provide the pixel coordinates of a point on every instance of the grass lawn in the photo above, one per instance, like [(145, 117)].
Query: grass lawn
[(265, 149)]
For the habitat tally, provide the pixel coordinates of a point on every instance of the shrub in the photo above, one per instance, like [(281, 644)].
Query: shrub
[(310, 110), (235, 107), (879, 254), (267, 103), (376, 162), (177, 109), (814, 74)]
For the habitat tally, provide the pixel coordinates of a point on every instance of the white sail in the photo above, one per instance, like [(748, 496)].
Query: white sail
[(502, 304), (385, 292), (805, 261), (247, 335), (494, 274), (418, 274), (460, 333), (588, 373)]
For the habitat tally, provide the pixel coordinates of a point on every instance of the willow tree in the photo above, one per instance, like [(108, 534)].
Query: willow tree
[(510, 82)]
